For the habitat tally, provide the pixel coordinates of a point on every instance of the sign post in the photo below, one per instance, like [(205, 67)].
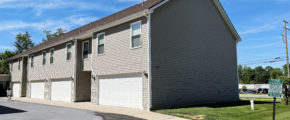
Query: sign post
[(275, 91)]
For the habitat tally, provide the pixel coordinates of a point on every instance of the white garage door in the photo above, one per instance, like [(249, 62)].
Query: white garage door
[(16, 90), (37, 90), (61, 91), (121, 91)]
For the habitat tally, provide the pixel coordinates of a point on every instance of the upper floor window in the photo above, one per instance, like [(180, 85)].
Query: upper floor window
[(43, 57), (101, 43), (19, 64), (136, 34), (85, 49), (51, 56), (68, 51), (31, 61)]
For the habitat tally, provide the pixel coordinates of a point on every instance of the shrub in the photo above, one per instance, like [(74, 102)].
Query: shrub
[(244, 88)]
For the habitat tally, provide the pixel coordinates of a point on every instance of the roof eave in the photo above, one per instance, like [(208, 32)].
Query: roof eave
[(227, 20), (90, 33)]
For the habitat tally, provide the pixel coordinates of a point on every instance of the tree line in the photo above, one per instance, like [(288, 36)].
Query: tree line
[(22, 43), (261, 75)]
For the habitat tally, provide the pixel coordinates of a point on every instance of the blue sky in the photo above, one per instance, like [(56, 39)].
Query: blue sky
[(259, 22)]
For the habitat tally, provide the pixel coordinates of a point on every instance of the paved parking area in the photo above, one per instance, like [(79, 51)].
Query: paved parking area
[(34, 109), (16, 110)]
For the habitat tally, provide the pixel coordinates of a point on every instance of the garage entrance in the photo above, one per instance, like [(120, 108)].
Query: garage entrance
[(16, 89), (37, 90), (61, 90), (121, 91)]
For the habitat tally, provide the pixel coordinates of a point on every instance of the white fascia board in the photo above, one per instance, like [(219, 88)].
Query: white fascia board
[(227, 20), (112, 24), (158, 5)]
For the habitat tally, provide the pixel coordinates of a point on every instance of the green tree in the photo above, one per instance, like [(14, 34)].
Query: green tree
[(4, 64), (285, 72), (23, 42), (276, 73), (260, 75), (50, 36), (240, 73), (248, 75)]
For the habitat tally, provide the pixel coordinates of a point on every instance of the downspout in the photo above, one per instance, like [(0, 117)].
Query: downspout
[(148, 15), (75, 69), (92, 71), (149, 61)]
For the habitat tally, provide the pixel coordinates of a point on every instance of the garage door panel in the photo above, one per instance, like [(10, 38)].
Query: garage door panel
[(61, 91), (37, 90), (16, 90), (122, 92)]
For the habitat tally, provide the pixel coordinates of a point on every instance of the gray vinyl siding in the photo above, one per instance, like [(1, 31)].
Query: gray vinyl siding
[(61, 68), (119, 58), (194, 57), (19, 75), (83, 78), (16, 75)]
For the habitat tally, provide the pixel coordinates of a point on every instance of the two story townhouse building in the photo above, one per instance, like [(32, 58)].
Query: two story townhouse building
[(156, 54)]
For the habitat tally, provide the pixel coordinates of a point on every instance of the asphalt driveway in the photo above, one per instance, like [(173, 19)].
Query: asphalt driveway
[(16, 110)]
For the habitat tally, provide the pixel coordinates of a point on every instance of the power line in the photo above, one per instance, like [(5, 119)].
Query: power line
[(273, 61), (262, 60)]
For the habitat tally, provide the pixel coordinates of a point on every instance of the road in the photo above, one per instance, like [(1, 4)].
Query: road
[(15, 110), (254, 96)]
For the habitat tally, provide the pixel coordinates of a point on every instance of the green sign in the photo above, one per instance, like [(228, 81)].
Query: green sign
[(275, 88)]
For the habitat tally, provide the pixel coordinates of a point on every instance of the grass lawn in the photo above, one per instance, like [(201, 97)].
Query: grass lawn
[(232, 111)]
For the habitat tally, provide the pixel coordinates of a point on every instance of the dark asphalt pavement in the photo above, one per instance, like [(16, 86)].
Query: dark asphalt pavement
[(15, 110)]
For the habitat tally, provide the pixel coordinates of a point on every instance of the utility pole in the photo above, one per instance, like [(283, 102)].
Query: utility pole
[(286, 43)]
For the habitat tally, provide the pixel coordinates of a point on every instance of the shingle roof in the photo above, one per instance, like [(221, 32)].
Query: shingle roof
[(119, 15)]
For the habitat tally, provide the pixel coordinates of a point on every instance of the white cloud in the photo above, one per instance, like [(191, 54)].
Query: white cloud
[(66, 23), (40, 5), (262, 28), (259, 46), (3, 48)]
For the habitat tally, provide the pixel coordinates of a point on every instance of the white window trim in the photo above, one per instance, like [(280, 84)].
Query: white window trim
[(103, 33), (83, 49), (67, 52), (43, 64), (138, 22), (52, 49)]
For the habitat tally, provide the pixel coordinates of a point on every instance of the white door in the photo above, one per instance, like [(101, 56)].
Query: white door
[(61, 91), (37, 90), (16, 90), (121, 92)]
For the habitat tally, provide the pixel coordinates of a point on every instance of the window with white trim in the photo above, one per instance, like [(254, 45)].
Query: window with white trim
[(51, 56), (43, 57), (31, 61), (19, 64), (85, 49), (101, 43), (68, 51), (136, 35)]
